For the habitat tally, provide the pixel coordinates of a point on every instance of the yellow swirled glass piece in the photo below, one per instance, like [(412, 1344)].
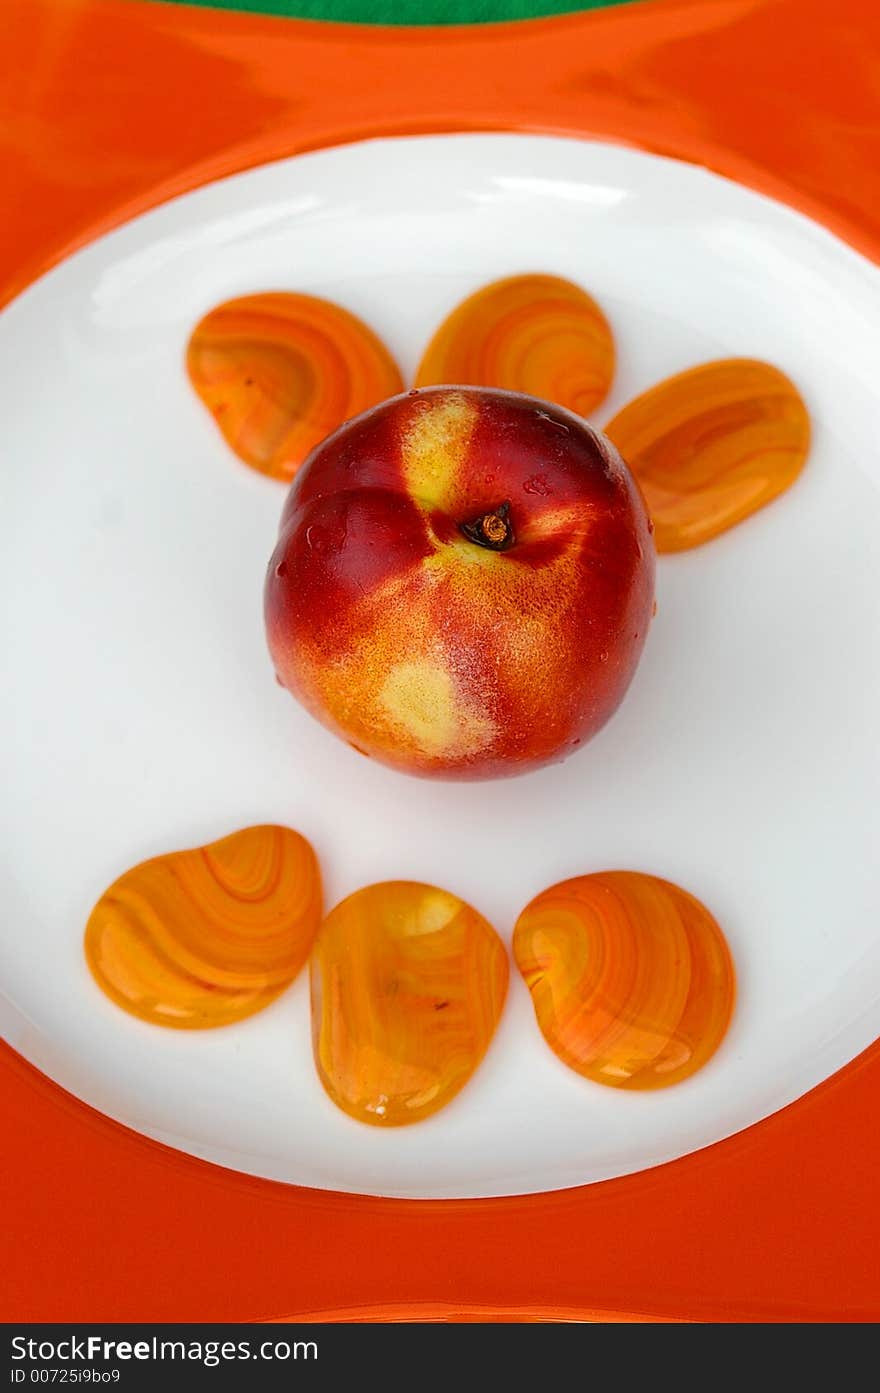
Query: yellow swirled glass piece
[(408, 984), (712, 445), (206, 937), (631, 978), (535, 333), (280, 371)]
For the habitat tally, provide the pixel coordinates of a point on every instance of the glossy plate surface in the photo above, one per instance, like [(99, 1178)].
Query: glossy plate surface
[(743, 764)]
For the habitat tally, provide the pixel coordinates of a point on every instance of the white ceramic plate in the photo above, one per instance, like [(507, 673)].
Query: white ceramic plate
[(139, 712)]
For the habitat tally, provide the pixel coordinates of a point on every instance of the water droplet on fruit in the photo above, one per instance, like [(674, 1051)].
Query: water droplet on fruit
[(603, 656), (537, 484), (281, 569)]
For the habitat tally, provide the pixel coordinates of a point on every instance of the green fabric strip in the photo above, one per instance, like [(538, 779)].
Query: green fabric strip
[(407, 11)]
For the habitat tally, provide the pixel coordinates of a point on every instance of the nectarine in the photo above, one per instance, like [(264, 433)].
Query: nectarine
[(463, 582)]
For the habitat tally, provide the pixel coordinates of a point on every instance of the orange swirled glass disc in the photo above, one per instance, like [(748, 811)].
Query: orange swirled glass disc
[(712, 445), (631, 978), (537, 334), (408, 984), (280, 371), (206, 937)]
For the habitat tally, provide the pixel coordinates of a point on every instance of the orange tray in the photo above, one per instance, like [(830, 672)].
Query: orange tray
[(109, 107)]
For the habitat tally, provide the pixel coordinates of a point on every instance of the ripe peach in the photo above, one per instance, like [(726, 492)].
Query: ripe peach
[(463, 582)]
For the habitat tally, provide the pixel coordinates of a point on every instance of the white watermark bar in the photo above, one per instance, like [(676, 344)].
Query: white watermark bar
[(147, 1356)]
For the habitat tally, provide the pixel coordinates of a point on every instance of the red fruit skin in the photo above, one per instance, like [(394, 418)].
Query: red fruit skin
[(428, 651)]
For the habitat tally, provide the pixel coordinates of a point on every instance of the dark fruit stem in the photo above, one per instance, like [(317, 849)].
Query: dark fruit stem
[(493, 530)]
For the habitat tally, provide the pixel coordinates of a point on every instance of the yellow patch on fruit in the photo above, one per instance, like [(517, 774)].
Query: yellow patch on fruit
[(434, 447), (476, 579), (419, 701)]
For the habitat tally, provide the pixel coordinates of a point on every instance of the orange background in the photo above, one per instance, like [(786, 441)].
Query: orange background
[(108, 107)]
